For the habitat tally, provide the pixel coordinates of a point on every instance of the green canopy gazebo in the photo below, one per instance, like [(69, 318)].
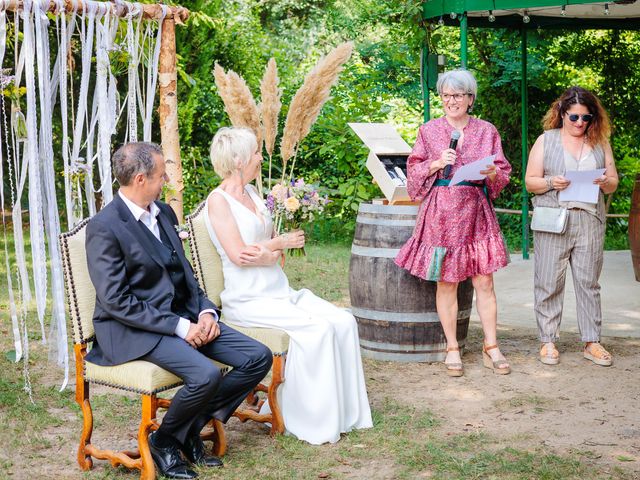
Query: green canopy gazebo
[(522, 15)]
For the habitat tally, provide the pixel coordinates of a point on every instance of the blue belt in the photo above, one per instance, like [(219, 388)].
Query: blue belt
[(442, 182)]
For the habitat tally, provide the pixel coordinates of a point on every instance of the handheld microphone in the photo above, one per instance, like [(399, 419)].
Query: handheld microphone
[(455, 136)]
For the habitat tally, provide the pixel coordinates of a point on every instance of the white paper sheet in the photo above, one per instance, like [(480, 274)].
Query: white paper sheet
[(471, 171), (581, 188)]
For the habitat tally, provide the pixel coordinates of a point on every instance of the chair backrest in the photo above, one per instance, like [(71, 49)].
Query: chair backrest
[(81, 295), (204, 256)]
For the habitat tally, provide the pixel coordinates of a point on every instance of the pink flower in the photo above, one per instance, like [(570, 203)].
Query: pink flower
[(183, 235)]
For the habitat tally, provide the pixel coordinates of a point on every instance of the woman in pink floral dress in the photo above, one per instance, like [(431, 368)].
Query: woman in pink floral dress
[(457, 235)]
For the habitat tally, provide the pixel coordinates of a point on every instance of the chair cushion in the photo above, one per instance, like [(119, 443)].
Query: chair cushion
[(206, 261), (80, 292), (136, 376)]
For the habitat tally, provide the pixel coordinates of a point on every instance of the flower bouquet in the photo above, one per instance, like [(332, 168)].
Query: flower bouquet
[(292, 204)]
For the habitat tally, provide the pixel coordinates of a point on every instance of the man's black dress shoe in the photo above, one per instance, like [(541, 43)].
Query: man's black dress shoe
[(169, 462), (194, 451)]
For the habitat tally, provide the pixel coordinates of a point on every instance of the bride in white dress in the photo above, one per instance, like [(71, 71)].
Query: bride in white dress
[(324, 392)]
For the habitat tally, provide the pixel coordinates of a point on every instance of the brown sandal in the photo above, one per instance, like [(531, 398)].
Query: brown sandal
[(454, 369), (597, 354), (501, 367), (549, 354)]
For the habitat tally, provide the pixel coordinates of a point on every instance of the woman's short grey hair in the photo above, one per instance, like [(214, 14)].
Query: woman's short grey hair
[(459, 81), (133, 158), (231, 149)]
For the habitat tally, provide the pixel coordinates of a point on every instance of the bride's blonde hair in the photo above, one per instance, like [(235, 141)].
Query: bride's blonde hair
[(231, 149)]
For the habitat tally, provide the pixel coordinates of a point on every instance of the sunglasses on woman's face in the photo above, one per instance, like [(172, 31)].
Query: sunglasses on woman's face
[(586, 118)]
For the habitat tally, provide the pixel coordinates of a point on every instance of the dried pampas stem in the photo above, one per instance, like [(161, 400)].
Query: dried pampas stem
[(309, 99), (239, 104), (270, 108)]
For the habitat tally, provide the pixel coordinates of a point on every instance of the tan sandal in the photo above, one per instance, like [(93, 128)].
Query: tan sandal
[(501, 367), (597, 354), (454, 369), (549, 354)]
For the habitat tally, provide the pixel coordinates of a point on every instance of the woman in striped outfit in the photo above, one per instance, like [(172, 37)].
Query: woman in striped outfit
[(576, 138)]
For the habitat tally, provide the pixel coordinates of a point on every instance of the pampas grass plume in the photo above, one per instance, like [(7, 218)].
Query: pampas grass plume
[(310, 97), (238, 101), (270, 105)]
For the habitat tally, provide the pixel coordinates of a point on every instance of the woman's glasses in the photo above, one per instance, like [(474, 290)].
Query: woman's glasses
[(456, 96), (587, 117)]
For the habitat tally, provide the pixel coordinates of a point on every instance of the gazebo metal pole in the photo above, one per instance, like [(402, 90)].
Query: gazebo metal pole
[(424, 78), (463, 40), (525, 146), (168, 79)]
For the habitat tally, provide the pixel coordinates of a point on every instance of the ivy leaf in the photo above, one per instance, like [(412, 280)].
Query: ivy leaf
[(11, 356)]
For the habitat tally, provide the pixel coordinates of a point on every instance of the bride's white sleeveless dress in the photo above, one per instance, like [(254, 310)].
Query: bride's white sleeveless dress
[(324, 392)]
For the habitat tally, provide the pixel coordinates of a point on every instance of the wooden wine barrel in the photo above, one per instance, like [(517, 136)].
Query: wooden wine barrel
[(395, 311), (634, 228)]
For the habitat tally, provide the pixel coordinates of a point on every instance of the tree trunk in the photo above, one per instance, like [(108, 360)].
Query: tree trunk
[(168, 110)]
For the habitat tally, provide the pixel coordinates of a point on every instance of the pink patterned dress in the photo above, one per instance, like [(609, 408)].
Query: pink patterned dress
[(457, 234)]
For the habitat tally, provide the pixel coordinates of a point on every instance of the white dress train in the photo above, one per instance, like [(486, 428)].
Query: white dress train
[(324, 392)]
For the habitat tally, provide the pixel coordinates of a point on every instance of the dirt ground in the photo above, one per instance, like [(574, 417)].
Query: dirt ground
[(574, 407)]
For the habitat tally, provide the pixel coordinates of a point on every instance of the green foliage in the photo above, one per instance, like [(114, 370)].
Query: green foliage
[(381, 84)]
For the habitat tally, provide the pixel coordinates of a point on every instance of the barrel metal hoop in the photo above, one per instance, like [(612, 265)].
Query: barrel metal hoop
[(363, 220), (403, 349), (405, 317), (386, 209), (374, 252)]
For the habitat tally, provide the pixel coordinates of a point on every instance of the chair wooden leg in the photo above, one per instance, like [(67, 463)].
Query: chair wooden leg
[(217, 436), (277, 377), (82, 398), (149, 408)]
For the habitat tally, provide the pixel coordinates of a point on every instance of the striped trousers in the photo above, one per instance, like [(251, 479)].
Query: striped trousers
[(581, 246)]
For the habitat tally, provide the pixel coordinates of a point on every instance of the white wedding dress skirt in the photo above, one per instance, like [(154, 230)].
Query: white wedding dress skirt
[(324, 392)]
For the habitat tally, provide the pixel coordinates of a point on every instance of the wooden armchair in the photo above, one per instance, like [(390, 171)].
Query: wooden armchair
[(138, 376), (208, 269)]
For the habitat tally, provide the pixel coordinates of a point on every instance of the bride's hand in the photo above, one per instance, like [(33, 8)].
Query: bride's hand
[(256, 255), (293, 239)]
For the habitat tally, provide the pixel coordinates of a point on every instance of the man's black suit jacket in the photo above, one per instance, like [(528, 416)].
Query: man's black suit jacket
[(133, 288)]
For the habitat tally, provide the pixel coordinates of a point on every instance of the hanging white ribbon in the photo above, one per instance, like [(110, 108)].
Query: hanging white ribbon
[(38, 248), (58, 327), (20, 171), (152, 77), (60, 78), (133, 48), (13, 311), (86, 39), (105, 122)]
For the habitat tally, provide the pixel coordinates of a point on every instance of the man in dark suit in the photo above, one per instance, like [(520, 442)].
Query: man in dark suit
[(149, 307)]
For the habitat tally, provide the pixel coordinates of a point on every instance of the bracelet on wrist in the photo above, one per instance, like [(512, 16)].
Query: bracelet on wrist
[(549, 183)]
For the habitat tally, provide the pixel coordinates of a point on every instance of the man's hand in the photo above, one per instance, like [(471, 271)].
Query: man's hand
[(209, 326), (203, 332)]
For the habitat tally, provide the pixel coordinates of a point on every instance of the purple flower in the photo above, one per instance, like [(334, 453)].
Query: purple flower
[(271, 203), (5, 80)]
